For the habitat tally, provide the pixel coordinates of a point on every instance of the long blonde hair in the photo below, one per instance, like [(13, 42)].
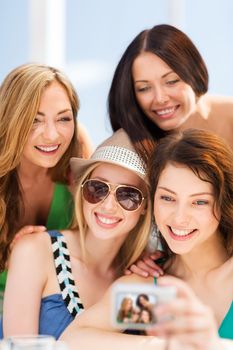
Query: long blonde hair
[(20, 95), (137, 238)]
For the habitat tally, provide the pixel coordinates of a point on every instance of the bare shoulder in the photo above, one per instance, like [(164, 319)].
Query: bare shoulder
[(31, 246), (220, 105)]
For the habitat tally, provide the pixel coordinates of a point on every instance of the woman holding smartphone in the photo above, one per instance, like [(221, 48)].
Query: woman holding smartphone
[(191, 177)]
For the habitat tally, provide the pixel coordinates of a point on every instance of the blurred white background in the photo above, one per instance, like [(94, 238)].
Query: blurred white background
[(87, 38)]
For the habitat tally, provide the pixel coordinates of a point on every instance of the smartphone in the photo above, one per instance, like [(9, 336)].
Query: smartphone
[(133, 304)]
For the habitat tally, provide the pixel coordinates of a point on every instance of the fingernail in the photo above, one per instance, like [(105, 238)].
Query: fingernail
[(145, 274)]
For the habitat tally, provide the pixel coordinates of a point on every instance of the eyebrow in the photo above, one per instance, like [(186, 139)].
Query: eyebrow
[(163, 76), (192, 195), (60, 112)]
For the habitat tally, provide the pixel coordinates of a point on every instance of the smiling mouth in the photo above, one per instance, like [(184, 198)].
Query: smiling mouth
[(181, 234), (107, 221), (166, 112), (47, 149)]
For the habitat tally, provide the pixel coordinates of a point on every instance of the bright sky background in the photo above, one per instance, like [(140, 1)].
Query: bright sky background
[(96, 33)]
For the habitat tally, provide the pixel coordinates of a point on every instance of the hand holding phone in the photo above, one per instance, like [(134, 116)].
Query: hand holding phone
[(133, 304)]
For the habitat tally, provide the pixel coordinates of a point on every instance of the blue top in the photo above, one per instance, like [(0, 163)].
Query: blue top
[(57, 311)]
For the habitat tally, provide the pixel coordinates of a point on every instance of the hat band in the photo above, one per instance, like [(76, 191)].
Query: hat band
[(121, 156)]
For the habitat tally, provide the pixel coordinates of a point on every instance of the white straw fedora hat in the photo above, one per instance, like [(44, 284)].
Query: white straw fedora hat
[(118, 150)]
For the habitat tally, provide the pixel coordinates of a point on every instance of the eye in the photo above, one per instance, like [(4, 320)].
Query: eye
[(142, 89), (167, 198), (65, 119), (36, 121), (172, 82), (201, 202)]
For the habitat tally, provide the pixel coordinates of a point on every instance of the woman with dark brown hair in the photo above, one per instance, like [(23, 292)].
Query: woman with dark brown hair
[(160, 86)]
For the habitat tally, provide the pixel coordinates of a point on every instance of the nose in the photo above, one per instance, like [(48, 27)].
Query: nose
[(160, 95), (50, 131), (181, 216), (109, 203)]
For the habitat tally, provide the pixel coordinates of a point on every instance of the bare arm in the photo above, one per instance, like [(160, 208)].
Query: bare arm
[(188, 330), (93, 328), (27, 275)]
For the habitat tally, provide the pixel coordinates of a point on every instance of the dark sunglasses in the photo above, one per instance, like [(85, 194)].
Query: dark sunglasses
[(129, 197)]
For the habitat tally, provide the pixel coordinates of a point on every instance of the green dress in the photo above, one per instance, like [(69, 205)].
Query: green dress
[(60, 216)]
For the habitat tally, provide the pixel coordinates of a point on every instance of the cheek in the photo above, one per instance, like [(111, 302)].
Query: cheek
[(86, 211), (157, 215), (209, 220), (69, 132), (30, 142), (188, 95), (144, 100), (133, 219)]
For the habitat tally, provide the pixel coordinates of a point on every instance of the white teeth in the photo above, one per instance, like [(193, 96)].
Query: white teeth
[(106, 220), (181, 232), (47, 148), (165, 111)]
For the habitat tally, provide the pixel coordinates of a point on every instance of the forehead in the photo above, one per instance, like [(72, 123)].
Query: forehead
[(149, 64), (182, 180), (54, 90), (116, 174)]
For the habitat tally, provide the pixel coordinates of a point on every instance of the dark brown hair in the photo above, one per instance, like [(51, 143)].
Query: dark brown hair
[(176, 49), (211, 159)]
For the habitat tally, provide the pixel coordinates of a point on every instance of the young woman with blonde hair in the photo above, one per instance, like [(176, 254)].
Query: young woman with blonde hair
[(38, 135), (66, 272)]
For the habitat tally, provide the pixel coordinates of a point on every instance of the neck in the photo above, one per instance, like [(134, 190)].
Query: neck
[(101, 253), (29, 172), (202, 260)]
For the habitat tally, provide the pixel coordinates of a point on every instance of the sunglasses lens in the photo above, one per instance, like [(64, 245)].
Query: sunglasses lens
[(95, 191), (129, 198)]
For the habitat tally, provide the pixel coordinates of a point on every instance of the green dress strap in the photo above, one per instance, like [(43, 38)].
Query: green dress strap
[(60, 217), (61, 210)]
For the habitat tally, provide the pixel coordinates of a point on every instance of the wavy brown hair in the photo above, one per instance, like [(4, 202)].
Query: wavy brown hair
[(20, 95), (211, 159)]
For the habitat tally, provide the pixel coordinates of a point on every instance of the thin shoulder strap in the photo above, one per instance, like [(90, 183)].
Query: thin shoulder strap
[(64, 274)]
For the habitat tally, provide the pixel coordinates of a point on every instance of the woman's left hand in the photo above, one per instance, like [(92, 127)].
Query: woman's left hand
[(26, 230), (146, 265)]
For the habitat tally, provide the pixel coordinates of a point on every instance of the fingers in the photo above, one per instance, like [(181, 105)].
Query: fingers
[(28, 230), (146, 267), (157, 255), (152, 267), (182, 288), (138, 270), (183, 325)]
